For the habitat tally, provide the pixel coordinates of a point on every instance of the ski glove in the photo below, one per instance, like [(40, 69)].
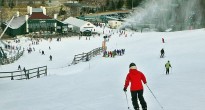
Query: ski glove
[(125, 89)]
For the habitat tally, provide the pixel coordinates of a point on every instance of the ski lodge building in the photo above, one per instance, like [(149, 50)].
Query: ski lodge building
[(36, 21), (79, 26)]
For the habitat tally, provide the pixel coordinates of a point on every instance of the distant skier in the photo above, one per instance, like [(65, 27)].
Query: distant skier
[(50, 57), (19, 67), (162, 53), (24, 70), (42, 53), (136, 78), (123, 51), (163, 40), (167, 66)]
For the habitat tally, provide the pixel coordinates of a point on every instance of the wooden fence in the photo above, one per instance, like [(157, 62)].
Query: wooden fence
[(9, 60), (28, 74), (86, 56)]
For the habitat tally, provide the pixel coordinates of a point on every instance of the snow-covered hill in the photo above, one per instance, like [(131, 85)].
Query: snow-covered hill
[(98, 84)]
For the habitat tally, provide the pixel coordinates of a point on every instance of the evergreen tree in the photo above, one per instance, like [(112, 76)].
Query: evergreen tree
[(11, 4), (43, 2), (113, 6), (129, 4), (133, 3), (120, 4), (203, 11), (136, 3), (30, 2), (2, 2), (62, 11), (107, 4)]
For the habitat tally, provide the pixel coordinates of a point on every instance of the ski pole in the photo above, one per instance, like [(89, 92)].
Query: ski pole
[(127, 101), (155, 97)]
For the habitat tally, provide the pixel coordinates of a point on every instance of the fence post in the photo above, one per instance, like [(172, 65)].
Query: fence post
[(38, 76), (21, 75), (46, 71), (27, 74), (86, 58), (93, 53), (74, 61), (82, 57), (12, 77)]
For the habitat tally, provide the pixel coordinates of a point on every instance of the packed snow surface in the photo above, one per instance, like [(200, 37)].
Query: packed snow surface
[(98, 84)]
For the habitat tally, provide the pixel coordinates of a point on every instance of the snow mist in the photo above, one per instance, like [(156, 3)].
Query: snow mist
[(166, 15)]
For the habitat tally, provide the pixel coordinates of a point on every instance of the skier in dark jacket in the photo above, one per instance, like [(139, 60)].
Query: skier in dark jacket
[(42, 53), (136, 78), (162, 53), (19, 67), (167, 66), (24, 70), (50, 57)]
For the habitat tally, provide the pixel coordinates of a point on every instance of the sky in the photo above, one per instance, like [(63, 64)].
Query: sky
[(98, 84)]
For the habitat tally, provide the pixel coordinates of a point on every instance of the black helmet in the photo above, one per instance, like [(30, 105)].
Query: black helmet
[(132, 64)]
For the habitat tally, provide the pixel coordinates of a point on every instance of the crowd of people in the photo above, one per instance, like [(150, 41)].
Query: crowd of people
[(112, 54)]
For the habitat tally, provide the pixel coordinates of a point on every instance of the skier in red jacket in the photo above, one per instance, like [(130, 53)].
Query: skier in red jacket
[(136, 78)]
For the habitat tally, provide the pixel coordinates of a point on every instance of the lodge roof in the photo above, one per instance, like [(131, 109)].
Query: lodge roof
[(16, 22), (39, 15), (19, 21), (75, 22)]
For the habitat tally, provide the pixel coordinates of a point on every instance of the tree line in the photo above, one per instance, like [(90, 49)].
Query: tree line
[(107, 5), (12, 3), (119, 4)]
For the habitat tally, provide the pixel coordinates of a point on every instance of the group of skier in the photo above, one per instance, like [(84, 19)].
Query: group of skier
[(168, 64), (136, 78), (111, 54), (24, 69)]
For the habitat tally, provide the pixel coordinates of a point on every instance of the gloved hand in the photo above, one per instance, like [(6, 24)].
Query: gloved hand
[(125, 89)]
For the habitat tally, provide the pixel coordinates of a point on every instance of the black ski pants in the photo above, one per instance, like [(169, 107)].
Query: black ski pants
[(162, 55), (167, 71), (138, 95)]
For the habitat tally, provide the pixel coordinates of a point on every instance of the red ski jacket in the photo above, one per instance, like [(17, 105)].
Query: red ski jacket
[(135, 77)]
